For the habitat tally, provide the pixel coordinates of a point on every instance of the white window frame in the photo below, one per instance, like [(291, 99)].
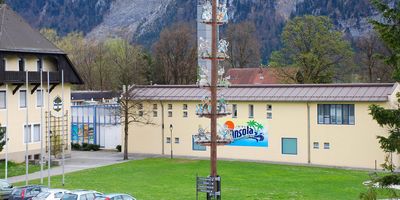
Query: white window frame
[(251, 111), (185, 114), (176, 140), (31, 133), (26, 98), (5, 99), (37, 102)]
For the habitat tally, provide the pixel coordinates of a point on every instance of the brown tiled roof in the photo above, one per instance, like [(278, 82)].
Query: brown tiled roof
[(272, 92), (18, 36), (252, 76)]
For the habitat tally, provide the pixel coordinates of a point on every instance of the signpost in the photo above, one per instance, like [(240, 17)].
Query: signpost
[(209, 185)]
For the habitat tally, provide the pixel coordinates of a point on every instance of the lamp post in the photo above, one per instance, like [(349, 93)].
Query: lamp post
[(170, 141)]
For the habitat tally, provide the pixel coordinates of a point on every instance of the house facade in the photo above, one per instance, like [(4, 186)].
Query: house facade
[(325, 124), (24, 52)]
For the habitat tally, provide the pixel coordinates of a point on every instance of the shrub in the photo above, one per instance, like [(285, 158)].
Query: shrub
[(392, 179), (75, 146), (119, 148)]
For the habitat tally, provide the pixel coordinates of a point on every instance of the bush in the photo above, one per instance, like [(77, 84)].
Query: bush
[(119, 148), (392, 179), (85, 147), (75, 146)]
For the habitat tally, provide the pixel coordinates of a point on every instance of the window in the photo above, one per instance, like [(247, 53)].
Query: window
[(234, 110), (140, 113), (169, 106), (197, 147), (269, 115), (185, 106), (251, 111), (176, 140), (336, 114), (169, 113), (185, 114), (27, 134), (3, 99), (39, 65), (327, 145), (22, 98), (21, 64), (316, 145), (36, 133), (3, 67), (155, 114), (32, 133), (154, 106), (168, 140), (39, 98), (289, 146), (269, 107), (140, 106)]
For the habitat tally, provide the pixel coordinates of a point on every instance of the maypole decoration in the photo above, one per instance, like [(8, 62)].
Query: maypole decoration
[(214, 14)]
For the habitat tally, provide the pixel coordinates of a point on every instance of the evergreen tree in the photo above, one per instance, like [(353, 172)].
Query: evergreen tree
[(389, 31)]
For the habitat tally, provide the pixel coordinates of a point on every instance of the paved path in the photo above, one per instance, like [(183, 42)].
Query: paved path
[(80, 160)]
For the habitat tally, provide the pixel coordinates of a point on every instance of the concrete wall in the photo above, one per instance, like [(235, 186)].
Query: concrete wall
[(16, 115)]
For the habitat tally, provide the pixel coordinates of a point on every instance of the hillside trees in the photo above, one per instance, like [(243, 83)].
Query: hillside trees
[(244, 46), (389, 31), (175, 55), (312, 52), (369, 56), (103, 65)]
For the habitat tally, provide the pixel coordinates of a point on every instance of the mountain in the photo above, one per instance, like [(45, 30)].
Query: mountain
[(143, 20)]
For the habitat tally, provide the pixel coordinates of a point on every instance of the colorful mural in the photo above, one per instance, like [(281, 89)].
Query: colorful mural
[(251, 133)]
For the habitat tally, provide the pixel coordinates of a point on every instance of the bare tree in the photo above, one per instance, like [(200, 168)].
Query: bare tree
[(244, 48), (176, 55), (133, 111), (369, 56)]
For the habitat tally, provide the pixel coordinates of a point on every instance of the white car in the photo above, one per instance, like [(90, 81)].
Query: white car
[(51, 194), (81, 195)]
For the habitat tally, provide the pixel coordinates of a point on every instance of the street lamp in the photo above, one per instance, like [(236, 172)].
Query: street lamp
[(170, 141)]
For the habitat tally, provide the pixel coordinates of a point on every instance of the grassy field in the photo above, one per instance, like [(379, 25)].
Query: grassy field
[(15, 169), (175, 179)]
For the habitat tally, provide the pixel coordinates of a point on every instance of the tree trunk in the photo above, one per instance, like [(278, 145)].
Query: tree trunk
[(126, 128)]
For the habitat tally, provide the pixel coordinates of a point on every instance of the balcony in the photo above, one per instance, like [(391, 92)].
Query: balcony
[(17, 77)]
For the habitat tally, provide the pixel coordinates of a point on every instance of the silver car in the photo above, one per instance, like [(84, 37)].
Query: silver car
[(116, 197), (5, 189)]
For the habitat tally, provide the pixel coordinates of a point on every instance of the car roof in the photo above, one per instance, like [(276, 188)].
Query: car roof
[(115, 194), (30, 186), (83, 191), (57, 190)]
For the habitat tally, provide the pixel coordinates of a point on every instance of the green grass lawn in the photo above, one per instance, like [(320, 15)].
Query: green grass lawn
[(16, 169), (175, 179)]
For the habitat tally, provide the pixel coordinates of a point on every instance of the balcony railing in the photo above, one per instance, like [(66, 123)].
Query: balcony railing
[(33, 77)]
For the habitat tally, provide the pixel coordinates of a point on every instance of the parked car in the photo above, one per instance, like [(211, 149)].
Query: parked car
[(5, 189), (116, 197), (81, 195), (26, 192), (51, 194)]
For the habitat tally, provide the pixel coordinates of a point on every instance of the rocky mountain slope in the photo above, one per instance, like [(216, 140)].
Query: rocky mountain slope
[(142, 20)]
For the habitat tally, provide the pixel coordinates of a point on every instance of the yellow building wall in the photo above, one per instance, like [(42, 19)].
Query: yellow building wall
[(350, 145), (17, 115)]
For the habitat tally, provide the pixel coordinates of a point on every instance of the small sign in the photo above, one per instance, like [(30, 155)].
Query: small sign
[(57, 104), (210, 185)]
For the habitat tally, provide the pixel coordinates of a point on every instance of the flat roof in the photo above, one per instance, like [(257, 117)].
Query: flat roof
[(356, 92)]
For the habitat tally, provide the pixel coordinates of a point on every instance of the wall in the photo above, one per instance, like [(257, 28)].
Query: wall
[(350, 145), (16, 115)]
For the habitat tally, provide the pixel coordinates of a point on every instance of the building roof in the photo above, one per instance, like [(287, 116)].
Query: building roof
[(252, 76), (272, 92), (18, 36), (95, 95)]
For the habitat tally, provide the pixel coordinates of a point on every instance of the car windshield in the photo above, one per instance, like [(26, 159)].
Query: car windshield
[(17, 192), (69, 196), (43, 195)]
